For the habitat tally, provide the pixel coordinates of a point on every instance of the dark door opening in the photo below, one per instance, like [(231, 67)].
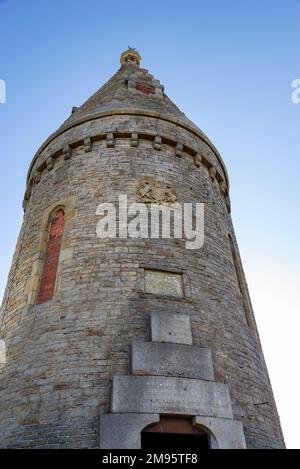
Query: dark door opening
[(174, 441), (176, 434)]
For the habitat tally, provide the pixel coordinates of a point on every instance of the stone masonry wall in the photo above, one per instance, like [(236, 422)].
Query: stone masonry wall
[(61, 355)]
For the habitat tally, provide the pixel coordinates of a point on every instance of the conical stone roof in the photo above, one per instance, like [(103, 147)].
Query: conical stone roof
[(131, 89)]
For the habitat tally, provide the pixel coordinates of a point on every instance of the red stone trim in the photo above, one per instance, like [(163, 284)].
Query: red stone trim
[(49, 273)]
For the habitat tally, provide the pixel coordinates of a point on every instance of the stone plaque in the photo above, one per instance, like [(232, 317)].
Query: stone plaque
[(163, 283), (158, 394), (158, 359), (171, 327)]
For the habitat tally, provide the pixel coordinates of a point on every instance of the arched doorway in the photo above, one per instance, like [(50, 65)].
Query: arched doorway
[(176, 434)]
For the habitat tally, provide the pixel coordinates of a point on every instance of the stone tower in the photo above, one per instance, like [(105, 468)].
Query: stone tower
[(112, 341)]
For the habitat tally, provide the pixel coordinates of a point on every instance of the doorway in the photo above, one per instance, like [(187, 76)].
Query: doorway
[(175, 434)]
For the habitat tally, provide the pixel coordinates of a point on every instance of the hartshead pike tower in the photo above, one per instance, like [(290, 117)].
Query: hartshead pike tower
[(126, 342)]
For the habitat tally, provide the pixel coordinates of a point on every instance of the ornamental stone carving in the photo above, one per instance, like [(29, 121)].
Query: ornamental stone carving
[(156, 192)]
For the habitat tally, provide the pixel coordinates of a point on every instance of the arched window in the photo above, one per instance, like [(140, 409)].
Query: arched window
[(174, 433), (49, 272)]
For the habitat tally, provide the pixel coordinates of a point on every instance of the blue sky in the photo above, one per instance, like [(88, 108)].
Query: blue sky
[(229, 66)]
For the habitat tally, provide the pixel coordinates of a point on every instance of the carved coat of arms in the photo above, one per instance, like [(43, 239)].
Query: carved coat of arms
[(156, 192)]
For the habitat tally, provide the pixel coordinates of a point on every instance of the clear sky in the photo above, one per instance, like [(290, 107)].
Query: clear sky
[(229, 66)]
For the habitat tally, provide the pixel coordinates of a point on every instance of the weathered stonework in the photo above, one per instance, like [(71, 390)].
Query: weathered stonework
[(62, 356), (156, 192)]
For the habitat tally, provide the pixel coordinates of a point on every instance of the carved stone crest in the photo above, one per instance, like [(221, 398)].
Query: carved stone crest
[(156, 192)]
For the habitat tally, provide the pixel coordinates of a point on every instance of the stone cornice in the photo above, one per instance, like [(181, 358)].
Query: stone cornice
[(137, 112)]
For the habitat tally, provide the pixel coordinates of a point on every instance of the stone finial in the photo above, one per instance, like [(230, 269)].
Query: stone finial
[(130, 56)]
